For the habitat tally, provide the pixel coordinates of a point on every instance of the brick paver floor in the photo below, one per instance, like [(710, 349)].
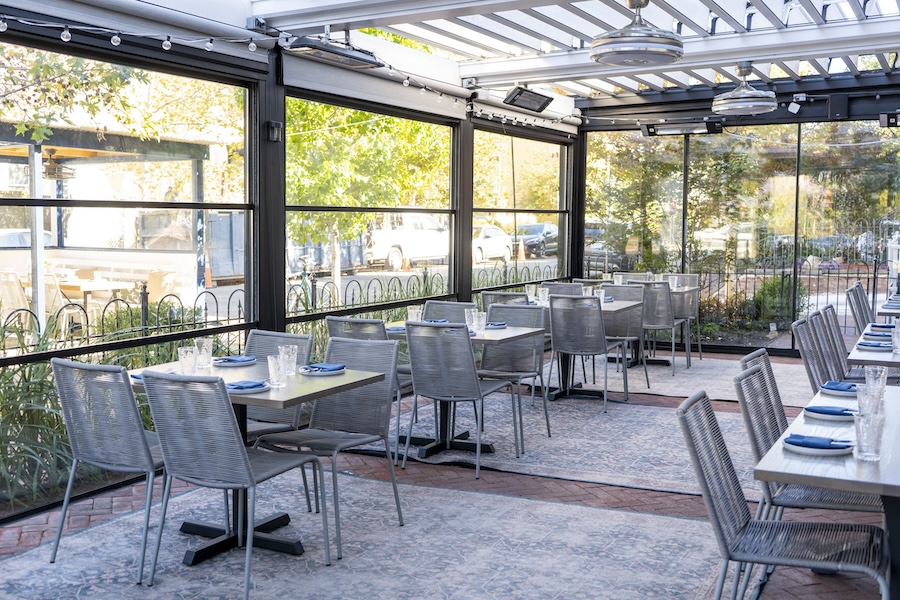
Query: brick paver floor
[(784, 583)]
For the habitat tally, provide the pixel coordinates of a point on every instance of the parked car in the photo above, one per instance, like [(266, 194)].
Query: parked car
[(600, 257), (540, 239), (489, 242), (21, 238), (394, 237)]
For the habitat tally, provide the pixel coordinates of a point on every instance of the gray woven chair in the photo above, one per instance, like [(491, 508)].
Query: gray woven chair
[(519, 360), (372, 329), (562, 288), (105, 430), (765, 421), (860, 307), (686, 305), (352, 418), (628, 326), (837, 354), (811, 353), (748, 541), (489, 298), (454, 312), (659, 315), (577, 329), (202, 444), (261, 344), (443, 369)]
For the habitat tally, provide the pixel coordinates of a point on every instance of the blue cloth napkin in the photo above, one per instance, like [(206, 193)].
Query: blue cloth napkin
[(813, 441), (877, 334), (326, 367), (137, 376), (883, 325), (395, 328), (839, 386), (608, 299), (436, 321), (496, 324), (239, 358), (865, 344), (891, 305), (830, 410), (247, 384)]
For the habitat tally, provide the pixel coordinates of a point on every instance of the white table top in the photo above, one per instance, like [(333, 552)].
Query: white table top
[(300, 388), (838, 472), (489, 337), (858, 356)]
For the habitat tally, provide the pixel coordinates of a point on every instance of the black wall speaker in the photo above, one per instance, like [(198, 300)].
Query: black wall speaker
[(887, 120), (838, 106)]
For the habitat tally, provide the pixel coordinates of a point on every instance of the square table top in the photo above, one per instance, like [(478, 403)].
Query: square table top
[(489, 337), (838, 472), (859, 356), (299, 388)]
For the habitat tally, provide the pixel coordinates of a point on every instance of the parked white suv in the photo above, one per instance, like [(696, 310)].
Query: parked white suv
[(397, 236)]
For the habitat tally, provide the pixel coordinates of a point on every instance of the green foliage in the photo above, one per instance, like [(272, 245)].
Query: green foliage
[(773, 301)]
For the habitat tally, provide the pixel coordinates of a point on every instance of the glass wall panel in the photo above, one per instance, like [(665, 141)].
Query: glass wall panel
[(369, 215), (633, 203), (519, 221)]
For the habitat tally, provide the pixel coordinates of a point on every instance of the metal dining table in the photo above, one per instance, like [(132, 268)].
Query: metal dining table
[(844, 472), (860, 356), (297, 390)]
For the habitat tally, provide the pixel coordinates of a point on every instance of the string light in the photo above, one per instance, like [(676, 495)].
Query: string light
[(406, 82), (209, 45), (251, 46), (66, 35), (514, 120), (3, 25), (115, 40), (167, 43)]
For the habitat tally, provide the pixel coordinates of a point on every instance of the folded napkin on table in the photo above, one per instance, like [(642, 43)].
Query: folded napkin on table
[(239, 358), (247, 384), (839, 386), (865, 344), (608, 299), (137, 376), (496, 323), (436, 320), (881, 325), (813, 441), (395, 328), (877, 335), (325, 367), (830, 410), (891, 305)]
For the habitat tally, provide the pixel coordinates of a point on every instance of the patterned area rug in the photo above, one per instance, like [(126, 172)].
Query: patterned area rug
[(455, 545), (714, 375), (630, 445)]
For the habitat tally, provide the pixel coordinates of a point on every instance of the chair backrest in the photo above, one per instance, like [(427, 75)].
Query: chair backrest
[(684, 279), (454, 312), (577, 325), (636, 276), (830, 354), (101, 415), (525, 355), (198, 432), (357, 329), (489, 298), (722, 493), (658, 312), (836, 335), (263, 343), (860, 307), (366, 409), (563, 289), (812, 356), (763, 415), (627, 323), (761, 358), (591, 282), (442, 361), (12, 295)]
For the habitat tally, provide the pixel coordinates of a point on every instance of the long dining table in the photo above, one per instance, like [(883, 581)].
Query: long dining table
[(844, 472), (859, 355), (298, 389)]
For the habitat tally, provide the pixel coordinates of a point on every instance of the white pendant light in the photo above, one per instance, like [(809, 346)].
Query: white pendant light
[(637, 44), (744, 99)]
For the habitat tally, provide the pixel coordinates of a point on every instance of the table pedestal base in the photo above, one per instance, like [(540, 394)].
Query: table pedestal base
[(892, 527), (222, 542)]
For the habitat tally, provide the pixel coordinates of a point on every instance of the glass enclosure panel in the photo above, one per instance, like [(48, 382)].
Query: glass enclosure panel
[(384, 257), (514, 179), (633, 196)]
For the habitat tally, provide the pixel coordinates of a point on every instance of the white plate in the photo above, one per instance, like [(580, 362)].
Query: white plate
[(310, 373), (228, 364), (256, 390), (887, 348), (877, 336), (495, 326), (822, 417), (838, 393), (817, 451), (883, 328)]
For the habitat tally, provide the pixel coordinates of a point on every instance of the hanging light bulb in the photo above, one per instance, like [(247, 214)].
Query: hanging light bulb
[(3, 25), (209, 45), (406, 82), (167, 43), (637, 44), (66, 35), (115, 40), (440, 97), (422, 91), (251, 46), (744, 99)]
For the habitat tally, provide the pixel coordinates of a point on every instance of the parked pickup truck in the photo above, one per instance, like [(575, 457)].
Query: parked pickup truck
[(394, 237)]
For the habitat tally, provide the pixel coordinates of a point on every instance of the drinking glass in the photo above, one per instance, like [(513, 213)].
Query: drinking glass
[(204, 352), (673, 282), (895, 339), (869, 429), (187, 360), (288, 354), (531, 291), (413, 313), (869, 399), (587, 290), (876, 376), (276, 371), (544, 295), (617, 279), (480, 322)]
